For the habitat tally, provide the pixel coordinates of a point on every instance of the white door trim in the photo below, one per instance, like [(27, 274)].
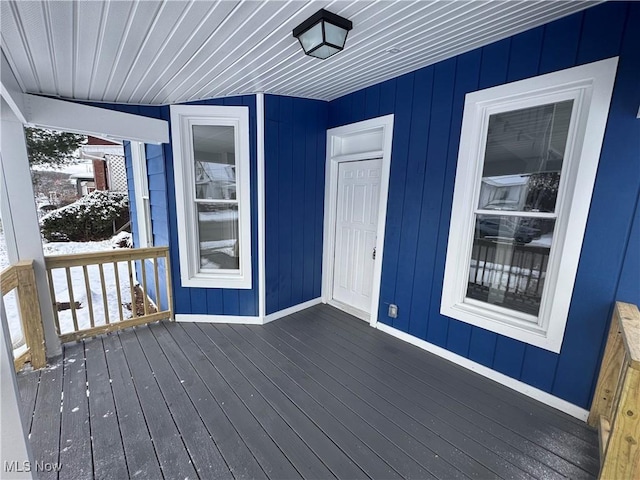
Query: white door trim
[(357, 141)]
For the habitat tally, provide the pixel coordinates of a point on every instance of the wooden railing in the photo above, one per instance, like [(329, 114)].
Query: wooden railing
[(616, 404), (21, 277), (86, 309)]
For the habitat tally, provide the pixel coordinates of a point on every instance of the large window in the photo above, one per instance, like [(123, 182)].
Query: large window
[(211, 166), (528, 156)]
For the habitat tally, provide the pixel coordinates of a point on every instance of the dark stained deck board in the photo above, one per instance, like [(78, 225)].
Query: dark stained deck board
[(75, 434), (317, 394), (297, 452), (28, 382), (107, 448), (484, 396), (45, 429), (508, 399), (237, 455), (141, 457), (334, 458), (429, 408), (203, 451), (429, 428), (264, 449), (170, 449), (422, 461)]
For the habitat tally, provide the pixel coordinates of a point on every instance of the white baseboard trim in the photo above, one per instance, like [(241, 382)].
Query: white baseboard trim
[(516, 385), (291, 310), (191, 317)]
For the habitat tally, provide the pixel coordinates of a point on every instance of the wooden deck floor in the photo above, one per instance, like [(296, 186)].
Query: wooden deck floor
[(318, 394)]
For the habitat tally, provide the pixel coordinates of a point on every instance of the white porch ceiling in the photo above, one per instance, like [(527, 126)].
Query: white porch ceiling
[(153, 52)]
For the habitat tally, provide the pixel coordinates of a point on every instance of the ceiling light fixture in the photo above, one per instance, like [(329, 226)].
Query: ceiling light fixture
[(323, 34)]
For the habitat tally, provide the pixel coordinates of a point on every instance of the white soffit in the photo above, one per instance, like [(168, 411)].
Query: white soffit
[(152, 52)]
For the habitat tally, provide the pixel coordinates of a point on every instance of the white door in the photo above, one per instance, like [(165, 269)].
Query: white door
[(356, 228)]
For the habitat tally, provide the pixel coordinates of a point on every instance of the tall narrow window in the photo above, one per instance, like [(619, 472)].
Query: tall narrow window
[(526, 168), (141, 189), (211, 165)]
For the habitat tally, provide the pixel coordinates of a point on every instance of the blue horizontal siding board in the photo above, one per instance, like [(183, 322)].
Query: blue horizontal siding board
[(524, 56), (434, 328), (495, 63), (600, 267), (297, 204), (458, 337), (629, 284), (231, 301), (482, 346), (285, 187), (372, 101), (412, 202), (215, 305), (399, 153), (560, 43), (466, 80), (602, 32), (271, 208), (198, 301), (538, 368), (322, 120), (309, 220), (508, 356), (388, 97)]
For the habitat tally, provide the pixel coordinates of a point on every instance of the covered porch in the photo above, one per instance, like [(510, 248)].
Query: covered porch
[(317, 394)]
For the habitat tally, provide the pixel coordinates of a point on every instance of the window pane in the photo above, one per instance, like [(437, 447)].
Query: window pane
[(218, 234), (509, 261), (523, 158), (215, 169)]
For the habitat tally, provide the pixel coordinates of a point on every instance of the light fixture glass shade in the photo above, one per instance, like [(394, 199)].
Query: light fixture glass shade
[(323, 34)]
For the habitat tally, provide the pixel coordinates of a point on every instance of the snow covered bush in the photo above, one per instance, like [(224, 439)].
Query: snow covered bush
[(90, 218)]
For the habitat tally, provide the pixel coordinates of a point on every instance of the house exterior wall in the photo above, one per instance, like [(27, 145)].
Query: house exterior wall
[(428, 106), (295, 145)]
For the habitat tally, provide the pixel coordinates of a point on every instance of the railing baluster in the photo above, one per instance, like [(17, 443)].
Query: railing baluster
[(117, 275), (167, 272), (72, 302), (89, 299), (156, 282), (143, 267), (530, 273), (53, 301), (131, 287), (104, 294)]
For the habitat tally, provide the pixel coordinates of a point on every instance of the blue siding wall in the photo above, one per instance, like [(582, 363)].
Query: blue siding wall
[(428, 106), (295, 145)]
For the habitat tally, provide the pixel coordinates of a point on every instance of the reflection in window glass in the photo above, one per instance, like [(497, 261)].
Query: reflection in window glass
[(218, 235), (509, 261), (215, 169), (524, 157)]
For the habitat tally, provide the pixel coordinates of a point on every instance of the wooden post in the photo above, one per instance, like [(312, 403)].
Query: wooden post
[(622, 454), (609, 374), (30, 313)]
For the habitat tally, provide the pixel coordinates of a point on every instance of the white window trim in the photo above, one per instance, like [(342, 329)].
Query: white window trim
[(183, 117), (141, 191), (591, 87)]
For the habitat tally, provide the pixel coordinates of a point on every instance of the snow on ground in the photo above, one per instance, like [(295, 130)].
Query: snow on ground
[(79, 289)]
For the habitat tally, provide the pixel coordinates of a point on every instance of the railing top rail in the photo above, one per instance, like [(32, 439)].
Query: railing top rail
[(116, 255), (9, 276), (628, 317)]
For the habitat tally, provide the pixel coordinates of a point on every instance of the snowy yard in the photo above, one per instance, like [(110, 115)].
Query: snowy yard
[(79, 289)]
